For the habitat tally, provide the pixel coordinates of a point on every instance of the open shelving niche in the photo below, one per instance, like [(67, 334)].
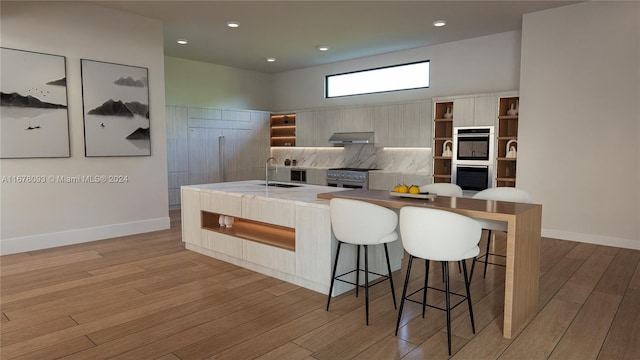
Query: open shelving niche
[(283, 129), (264, 233), (442, 132), (507, 131)]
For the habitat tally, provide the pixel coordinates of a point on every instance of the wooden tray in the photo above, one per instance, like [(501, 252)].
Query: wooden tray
[(427, 195)]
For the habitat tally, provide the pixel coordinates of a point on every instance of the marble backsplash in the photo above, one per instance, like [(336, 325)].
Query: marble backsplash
[(358, 156)]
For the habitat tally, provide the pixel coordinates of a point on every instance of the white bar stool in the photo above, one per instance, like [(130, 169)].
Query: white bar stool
[(361, 223), (443, 236)]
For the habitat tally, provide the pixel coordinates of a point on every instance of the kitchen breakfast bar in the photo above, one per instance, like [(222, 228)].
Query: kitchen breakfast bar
[(286, 233)]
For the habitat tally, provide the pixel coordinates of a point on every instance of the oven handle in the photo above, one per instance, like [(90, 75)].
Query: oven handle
[(462, 136)]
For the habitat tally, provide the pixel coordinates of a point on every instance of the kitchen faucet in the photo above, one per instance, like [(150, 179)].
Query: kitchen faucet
[(266, 169)]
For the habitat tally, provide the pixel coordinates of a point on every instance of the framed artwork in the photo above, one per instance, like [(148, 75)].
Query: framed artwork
[(116, 109), (34, 120)]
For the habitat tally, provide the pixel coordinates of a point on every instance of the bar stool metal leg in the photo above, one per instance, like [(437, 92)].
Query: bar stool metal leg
[(426, 281), (466, 285), (366, 281), (448, 303), (486, 255), (404, 292), (333, 275), (393, 291), (357, 269)]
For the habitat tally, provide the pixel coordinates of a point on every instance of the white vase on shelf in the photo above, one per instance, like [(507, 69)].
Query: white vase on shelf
[(510, 150), (446, 148), (513, 109), (221, 220), (228, 221), (448, 114)]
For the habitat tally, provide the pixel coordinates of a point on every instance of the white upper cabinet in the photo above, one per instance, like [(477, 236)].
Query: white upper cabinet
[(357, 119), (403, 125), (380, 115), (329, 121), (473, 110), (463, 111), (395, 134), (306, 128), (485, 110), (416, 124)]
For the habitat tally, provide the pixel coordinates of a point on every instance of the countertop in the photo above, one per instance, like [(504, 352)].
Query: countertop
[(304, 194)]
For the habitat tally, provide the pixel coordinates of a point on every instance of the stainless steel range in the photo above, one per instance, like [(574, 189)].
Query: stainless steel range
[(348, 178)]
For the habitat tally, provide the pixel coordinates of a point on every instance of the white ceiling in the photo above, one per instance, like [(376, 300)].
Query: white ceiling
[(290, 31)]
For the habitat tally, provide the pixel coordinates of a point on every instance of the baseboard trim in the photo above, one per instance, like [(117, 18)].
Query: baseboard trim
[(50, 240), (592, 239)]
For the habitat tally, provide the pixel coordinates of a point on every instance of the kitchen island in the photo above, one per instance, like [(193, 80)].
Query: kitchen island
[(283, 232)]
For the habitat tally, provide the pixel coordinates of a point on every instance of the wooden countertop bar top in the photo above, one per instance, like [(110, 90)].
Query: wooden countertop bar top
[(484, 209)]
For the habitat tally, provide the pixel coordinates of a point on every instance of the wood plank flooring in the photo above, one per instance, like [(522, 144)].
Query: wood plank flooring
[(146, 297)]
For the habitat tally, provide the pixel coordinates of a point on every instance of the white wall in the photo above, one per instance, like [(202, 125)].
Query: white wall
[(45, 215), (478, 65), (197, 84), (579, 130)]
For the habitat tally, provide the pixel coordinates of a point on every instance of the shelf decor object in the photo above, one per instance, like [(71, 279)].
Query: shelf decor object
[(34, 119), (116, 109), (513, 108), (446, 148), (448, 114), (511, 149)]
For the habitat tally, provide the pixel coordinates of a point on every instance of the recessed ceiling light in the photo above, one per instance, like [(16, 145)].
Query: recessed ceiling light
[(439, 23), (323, 48), (271, 59), (233, 24), (182, 41)]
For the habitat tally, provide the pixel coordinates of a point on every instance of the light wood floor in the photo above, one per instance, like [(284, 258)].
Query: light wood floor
[(146, 297)]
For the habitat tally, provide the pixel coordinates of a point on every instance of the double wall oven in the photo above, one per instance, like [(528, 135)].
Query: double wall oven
[(352, 178), (473, 153)]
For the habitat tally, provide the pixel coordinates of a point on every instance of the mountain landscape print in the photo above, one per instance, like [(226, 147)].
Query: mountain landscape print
[(116, 109), (34, 121)]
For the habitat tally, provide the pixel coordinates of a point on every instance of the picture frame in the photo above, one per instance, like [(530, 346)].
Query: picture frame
[(115, 99), (34, 116)]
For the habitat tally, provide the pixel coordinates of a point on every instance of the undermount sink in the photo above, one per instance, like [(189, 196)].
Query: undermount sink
[(281, 185)]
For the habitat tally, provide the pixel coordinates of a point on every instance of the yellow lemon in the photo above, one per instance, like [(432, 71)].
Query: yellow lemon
[(396, 188), (403, 189), (414, 189)]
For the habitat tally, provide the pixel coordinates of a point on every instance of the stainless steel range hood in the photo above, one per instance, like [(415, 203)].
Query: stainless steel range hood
[(343, 138)]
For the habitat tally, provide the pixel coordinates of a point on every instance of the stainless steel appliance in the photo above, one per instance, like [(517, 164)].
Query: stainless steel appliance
[(341, 139), (352, 178), (473, 157), (298, 175), (474, 143), (473, 178)]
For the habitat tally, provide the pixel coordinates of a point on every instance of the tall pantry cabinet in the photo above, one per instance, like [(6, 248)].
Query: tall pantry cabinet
[(212, 145)]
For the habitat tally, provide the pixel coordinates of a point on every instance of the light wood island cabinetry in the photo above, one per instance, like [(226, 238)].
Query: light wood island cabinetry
[(281, 232)]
